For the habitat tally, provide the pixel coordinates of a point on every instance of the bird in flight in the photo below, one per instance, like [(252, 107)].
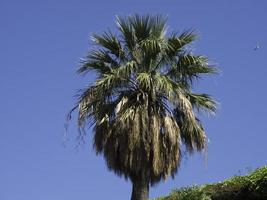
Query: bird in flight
[(256, 47)]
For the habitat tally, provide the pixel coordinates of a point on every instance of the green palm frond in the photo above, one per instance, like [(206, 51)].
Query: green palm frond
[(142, 26), (202, 102), (177, 42), (144, 80), (159, 26), (126, 69), (190, 67), (152, 52), (127, 33), (110, 42), (101, 55), (165, 85), (98, 60)]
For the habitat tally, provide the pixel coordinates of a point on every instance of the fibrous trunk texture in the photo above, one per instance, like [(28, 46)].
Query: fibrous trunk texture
[(140, 189)]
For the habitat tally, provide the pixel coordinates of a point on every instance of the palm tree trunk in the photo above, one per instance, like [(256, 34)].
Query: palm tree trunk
[(140, 189)]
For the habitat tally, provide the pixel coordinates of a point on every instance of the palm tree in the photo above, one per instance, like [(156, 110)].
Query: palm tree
[(141, 105)]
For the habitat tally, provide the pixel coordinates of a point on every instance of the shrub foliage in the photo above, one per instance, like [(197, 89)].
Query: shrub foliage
[(250, 187)]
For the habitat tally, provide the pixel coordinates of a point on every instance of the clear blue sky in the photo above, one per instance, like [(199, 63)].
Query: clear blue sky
[(41, 43)]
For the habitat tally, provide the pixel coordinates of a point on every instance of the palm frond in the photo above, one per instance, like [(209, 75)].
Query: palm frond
[(109, 41), (99, 61), (144, 80), (164, 85), (190, 67), (152, 51), (202, 102), (141, 26), (159, 26), (127, 32), (101, 55), (192, 132), (177, 42), (126, 70)]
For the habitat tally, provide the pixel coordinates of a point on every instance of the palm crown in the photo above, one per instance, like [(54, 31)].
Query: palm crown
[(141, 105)]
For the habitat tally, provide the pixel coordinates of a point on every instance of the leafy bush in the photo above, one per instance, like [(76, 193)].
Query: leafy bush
[(192, 193), (250, 187)]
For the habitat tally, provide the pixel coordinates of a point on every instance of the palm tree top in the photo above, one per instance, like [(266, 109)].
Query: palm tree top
[(142, 100)]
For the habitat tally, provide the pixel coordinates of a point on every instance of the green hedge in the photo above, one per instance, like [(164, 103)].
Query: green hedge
[(250, 187)]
